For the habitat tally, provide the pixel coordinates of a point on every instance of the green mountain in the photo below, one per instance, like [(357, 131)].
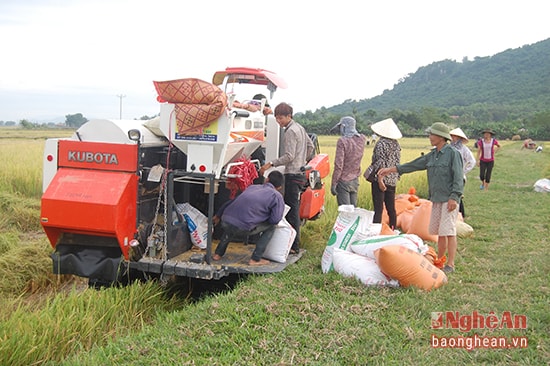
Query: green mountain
[(510, 90)]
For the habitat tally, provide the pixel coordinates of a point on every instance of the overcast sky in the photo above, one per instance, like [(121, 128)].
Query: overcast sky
[(75, 56)]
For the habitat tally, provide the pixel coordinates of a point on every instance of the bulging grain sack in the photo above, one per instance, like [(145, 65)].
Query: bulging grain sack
[(350, 222), (363, 268), (409, 268)]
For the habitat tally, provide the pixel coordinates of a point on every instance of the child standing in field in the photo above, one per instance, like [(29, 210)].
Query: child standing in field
[(445, 185), (486, 149)]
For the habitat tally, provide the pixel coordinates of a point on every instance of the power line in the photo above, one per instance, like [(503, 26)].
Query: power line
[(120, 96)]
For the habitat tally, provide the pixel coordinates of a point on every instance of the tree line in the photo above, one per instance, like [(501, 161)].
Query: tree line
[(508, 92), (415, 123), (71, 121)]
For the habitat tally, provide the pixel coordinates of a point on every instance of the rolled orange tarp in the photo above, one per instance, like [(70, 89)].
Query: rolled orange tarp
[(197, 103)]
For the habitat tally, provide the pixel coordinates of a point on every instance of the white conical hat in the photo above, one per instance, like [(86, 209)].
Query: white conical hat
[(387, 128), (458, 132)]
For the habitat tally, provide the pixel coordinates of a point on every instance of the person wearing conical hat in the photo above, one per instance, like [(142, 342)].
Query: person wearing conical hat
[(459, 141), (386, 153), (347, 162), (445, 185), (487, 146)]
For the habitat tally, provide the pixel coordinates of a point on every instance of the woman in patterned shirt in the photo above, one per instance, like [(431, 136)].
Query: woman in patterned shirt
[(387, 153)]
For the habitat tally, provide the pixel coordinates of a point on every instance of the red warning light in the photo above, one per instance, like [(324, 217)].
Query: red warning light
[(202, 168), (49, 157)]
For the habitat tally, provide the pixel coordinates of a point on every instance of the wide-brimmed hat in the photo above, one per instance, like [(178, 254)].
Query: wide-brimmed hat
[(488, 130), (439, 129), (458, 132), (387, 128)]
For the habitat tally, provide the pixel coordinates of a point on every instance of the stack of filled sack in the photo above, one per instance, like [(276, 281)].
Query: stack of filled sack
[(413, 217), (377, 255)]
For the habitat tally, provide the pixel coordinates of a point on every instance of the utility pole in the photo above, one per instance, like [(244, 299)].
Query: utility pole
[(120, 96)]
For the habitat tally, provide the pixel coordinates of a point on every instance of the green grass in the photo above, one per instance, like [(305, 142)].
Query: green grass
[(301, 316), (74, 321), (21, 153)]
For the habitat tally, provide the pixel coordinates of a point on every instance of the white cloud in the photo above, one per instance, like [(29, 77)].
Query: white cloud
[(327, 51)]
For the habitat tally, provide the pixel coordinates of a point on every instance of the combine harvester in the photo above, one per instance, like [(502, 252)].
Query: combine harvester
[(113, 191)]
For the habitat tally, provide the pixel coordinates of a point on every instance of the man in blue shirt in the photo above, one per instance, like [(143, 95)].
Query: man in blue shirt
[(257, 210)]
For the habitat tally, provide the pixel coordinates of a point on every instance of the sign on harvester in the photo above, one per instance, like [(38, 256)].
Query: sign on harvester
[(209, 134), (97, 155)]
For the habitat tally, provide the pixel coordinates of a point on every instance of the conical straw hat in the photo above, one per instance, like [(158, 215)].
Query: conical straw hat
[(458, 132), (387, 128)]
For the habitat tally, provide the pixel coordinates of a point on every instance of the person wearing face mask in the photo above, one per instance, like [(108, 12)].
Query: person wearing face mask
[(347, 162)]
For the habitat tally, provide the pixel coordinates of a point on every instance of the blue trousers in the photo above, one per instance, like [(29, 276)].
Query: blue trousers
[(231, 232)]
